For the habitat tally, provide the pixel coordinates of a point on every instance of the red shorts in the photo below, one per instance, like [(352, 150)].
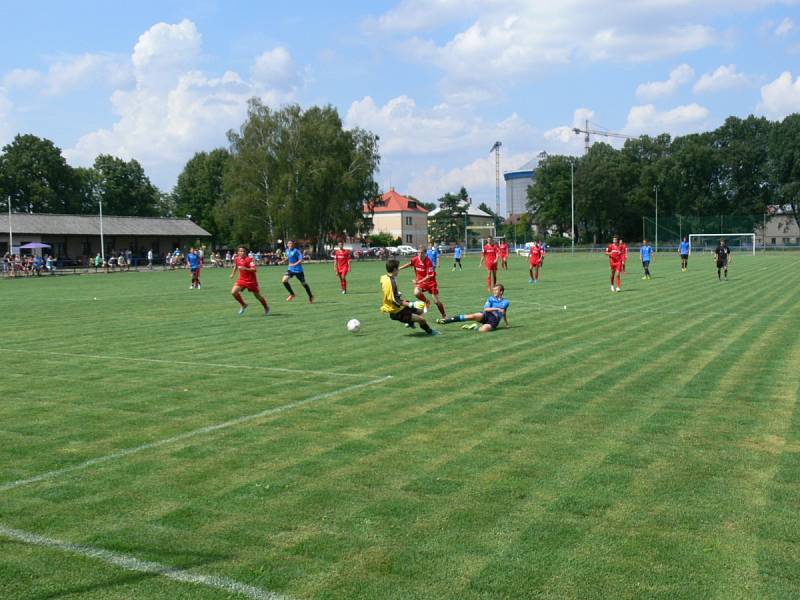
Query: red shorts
[(429, 286), (492, 267), (342, 271), (248, 285), (504, 256), (536, 263), (616, 266)]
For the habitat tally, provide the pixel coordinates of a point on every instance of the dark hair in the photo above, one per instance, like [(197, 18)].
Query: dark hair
[(392, 265), (501, 286), (243, 247)]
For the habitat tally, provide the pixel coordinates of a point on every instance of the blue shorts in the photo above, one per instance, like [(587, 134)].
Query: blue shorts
[(491, 317)]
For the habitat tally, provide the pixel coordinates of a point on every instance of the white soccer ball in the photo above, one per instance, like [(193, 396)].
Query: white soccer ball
[(354, 326)]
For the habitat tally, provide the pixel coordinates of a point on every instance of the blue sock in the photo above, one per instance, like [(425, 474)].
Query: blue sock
[(460, 318)]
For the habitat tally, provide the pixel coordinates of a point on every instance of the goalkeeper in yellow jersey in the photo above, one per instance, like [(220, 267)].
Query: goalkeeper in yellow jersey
[(394, 305)]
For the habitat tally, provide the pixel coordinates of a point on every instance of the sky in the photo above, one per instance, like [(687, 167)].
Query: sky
[(438, 80)]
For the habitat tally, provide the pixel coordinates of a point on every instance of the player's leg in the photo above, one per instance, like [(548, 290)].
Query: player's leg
[(198, 278), (530, 274), (419, 295), (461, 318), (301, 277), (236, 292), (612, 279), (285, 281), (536, 274), (619, 279), (263, 301), (439, 305)]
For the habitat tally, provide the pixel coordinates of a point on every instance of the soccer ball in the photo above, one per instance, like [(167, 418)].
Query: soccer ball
[(354, 326), (420, 305)]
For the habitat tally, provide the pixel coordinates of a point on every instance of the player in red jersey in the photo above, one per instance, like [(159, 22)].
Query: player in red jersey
[(503, 248), (425, 279), (489, 254), (614, 253), (246, 267), (624, 248), (535, 261), (341, 265)]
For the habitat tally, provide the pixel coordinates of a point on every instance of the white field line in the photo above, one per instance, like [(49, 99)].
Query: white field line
[(131, 563), (184, 436), (185, 363)]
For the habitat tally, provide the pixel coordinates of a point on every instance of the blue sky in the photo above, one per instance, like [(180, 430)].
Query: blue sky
[(438, 80)]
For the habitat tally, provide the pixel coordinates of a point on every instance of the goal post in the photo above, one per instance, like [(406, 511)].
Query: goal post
[(699, 242)]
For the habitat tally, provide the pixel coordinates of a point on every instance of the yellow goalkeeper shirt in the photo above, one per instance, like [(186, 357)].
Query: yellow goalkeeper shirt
[(391, 297)]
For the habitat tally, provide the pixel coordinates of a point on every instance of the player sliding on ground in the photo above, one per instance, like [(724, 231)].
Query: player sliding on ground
[(393, 303), (535, 262), (425, 279), (614, 253), (295, 269), (489, 254), (341, 265), (246, 281), (494, 311)]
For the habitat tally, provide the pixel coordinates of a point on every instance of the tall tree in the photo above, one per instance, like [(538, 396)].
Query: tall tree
[(124, 188), (785, 163), (37, 177), (550, 196), (200, 189), (449, 222)]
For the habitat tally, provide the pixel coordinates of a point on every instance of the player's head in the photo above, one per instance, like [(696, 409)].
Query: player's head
[(289, 244), (644, 241), (489, 241), (242, 251), (341, 245), (686, 238), (615, 239), (722, 241), (421, 250), (498, 290), (392, 266)]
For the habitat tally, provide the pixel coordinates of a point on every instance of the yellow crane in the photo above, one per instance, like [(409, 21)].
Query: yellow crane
[(588, 131)]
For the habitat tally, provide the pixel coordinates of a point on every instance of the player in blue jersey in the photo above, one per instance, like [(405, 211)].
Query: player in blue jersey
[(193, 261), (457, 252), (646, 253), (494, 310), (295, 259), (683, 250), (433, 254)]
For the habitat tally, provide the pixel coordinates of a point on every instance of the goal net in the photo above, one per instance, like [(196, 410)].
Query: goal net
[(737, 242)]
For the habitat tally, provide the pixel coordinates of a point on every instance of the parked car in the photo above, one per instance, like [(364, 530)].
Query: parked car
[(406, 250), (443, 248), (525, 250), (392, 250)]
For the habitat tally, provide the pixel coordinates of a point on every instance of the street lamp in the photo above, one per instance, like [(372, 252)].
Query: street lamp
[(10, 229), (655, 187)]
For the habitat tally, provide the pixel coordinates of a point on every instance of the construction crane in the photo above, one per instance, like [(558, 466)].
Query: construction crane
[(588, 131), (496, 150)]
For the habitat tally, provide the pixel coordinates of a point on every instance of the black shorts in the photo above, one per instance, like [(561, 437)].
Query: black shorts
[(491, 317), (684, 257), (458, 260), (403, 315), (722, 264), (301, 276), (645, 263)]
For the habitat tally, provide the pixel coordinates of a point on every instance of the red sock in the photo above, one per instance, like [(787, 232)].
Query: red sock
[(344, 284), (239, 298)]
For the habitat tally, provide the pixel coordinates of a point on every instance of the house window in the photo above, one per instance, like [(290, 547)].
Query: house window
[(409, 221), (409, 238), (773, 241), (787, 240), (412, 205)]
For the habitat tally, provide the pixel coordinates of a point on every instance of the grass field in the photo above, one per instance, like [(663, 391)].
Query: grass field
[(640, 444)]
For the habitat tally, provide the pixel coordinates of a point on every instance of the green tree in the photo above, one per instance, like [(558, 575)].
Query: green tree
[(448, 224), (37, 177), (124, 188), (784, 161), (200, 189), (550, 196)]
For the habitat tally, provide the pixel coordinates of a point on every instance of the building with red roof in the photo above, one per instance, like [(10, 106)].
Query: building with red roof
[(399, 216)]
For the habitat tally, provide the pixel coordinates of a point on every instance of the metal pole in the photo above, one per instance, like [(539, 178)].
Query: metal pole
[(10, 229), (572, 201), (764, 233), (102, 244), (655, 187)]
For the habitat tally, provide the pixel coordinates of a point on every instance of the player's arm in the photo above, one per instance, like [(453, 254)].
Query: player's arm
[(405, 266), (233, 271)]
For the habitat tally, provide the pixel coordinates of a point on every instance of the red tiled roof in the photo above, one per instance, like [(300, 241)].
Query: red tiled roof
[(391, 201)]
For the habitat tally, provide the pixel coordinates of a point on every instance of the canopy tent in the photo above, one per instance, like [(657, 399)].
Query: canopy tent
[(33, 245)]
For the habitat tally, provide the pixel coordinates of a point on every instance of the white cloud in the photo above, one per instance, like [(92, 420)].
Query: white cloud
[(679, 76), (477, 176), (6, 126), (507, 40), (680, 120), (77, 72), (563, 139), (405, 128), (22, 78), (723, 78), (780, 97), (175, 110), (784, 27)]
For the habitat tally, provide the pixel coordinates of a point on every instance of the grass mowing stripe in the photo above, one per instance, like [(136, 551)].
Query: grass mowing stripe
[(181, 363), (131, 563), (184, 436)]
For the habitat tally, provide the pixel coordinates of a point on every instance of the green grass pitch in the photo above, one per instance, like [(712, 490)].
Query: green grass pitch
[(640, 444)]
